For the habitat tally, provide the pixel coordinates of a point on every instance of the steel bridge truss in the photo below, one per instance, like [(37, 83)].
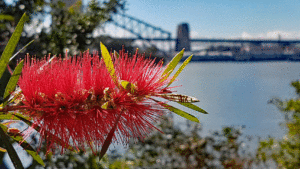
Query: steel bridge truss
[(143, 31)]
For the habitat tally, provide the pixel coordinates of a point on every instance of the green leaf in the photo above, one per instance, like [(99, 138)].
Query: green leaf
[(108, 62), (179, 98), (10, 149), (109, 138), (172, 64), (7, 17), (108, 105), (11, 45), (12, 83), (21, 50), (178, 111), (194, 107), (128, 86), (180, 69), (27, 147), (12, 116)]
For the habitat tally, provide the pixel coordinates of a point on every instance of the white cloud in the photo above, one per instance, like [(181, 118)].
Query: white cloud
[(272, 35)]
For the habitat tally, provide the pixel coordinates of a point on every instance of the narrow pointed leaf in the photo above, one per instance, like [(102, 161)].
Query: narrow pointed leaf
[(2, 150), (12, 116), (178, 111), (27, 147), (180, 98), (10, 149), (12, 83), (108, 139), (194, 107), (108, 62), (20, 50), (180, 69), (7, 17), (173, 63), (11, 45)]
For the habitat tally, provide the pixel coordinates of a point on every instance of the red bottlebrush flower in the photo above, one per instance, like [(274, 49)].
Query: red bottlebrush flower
[(145, 79), (76, 102), (64, 98), (145, 74)]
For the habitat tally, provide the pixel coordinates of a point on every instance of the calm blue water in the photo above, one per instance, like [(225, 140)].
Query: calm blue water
[(236, 93)]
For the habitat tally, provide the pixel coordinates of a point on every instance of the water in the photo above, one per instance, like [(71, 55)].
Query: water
[(237, 93)]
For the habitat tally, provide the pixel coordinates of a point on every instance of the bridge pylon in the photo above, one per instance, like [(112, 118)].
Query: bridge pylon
[(183, 37)]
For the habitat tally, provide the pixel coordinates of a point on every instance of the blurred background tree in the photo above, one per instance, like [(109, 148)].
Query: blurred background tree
[(175, 148), (71, 26), (284, 152)]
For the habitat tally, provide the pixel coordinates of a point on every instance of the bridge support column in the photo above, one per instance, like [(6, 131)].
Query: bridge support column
[(183, 37)]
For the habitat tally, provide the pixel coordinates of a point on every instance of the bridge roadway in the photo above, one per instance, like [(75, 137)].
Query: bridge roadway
[(256, 41)]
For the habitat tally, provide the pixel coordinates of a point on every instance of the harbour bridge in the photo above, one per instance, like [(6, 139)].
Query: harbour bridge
[(164, 41)]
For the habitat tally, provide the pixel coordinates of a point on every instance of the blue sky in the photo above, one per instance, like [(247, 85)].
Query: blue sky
[(218, 18), (222, 18)]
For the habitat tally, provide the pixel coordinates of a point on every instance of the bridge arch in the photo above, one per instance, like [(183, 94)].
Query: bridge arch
[(139, 28)]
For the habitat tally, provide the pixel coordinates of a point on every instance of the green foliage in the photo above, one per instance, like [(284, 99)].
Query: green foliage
[(27, 147), (285, 152), (179, 112), (10, 149), (75, 160), (12, 83), (194, 107), (173, 63), (6, 17), (175, 148), (180, 69), (108, 63), (72, 27), (4, 60), (120, 164), (6, 57), (11, 45)]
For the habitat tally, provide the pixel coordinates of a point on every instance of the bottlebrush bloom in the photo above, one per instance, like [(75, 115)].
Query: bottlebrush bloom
[(62, 101), (88, 100), (143, 73), (145, 79)]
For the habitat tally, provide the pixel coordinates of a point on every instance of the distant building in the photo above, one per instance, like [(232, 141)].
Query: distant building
[(183, 37)]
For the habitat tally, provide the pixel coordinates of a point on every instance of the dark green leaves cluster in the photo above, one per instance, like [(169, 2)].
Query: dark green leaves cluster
[(175, 148)]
